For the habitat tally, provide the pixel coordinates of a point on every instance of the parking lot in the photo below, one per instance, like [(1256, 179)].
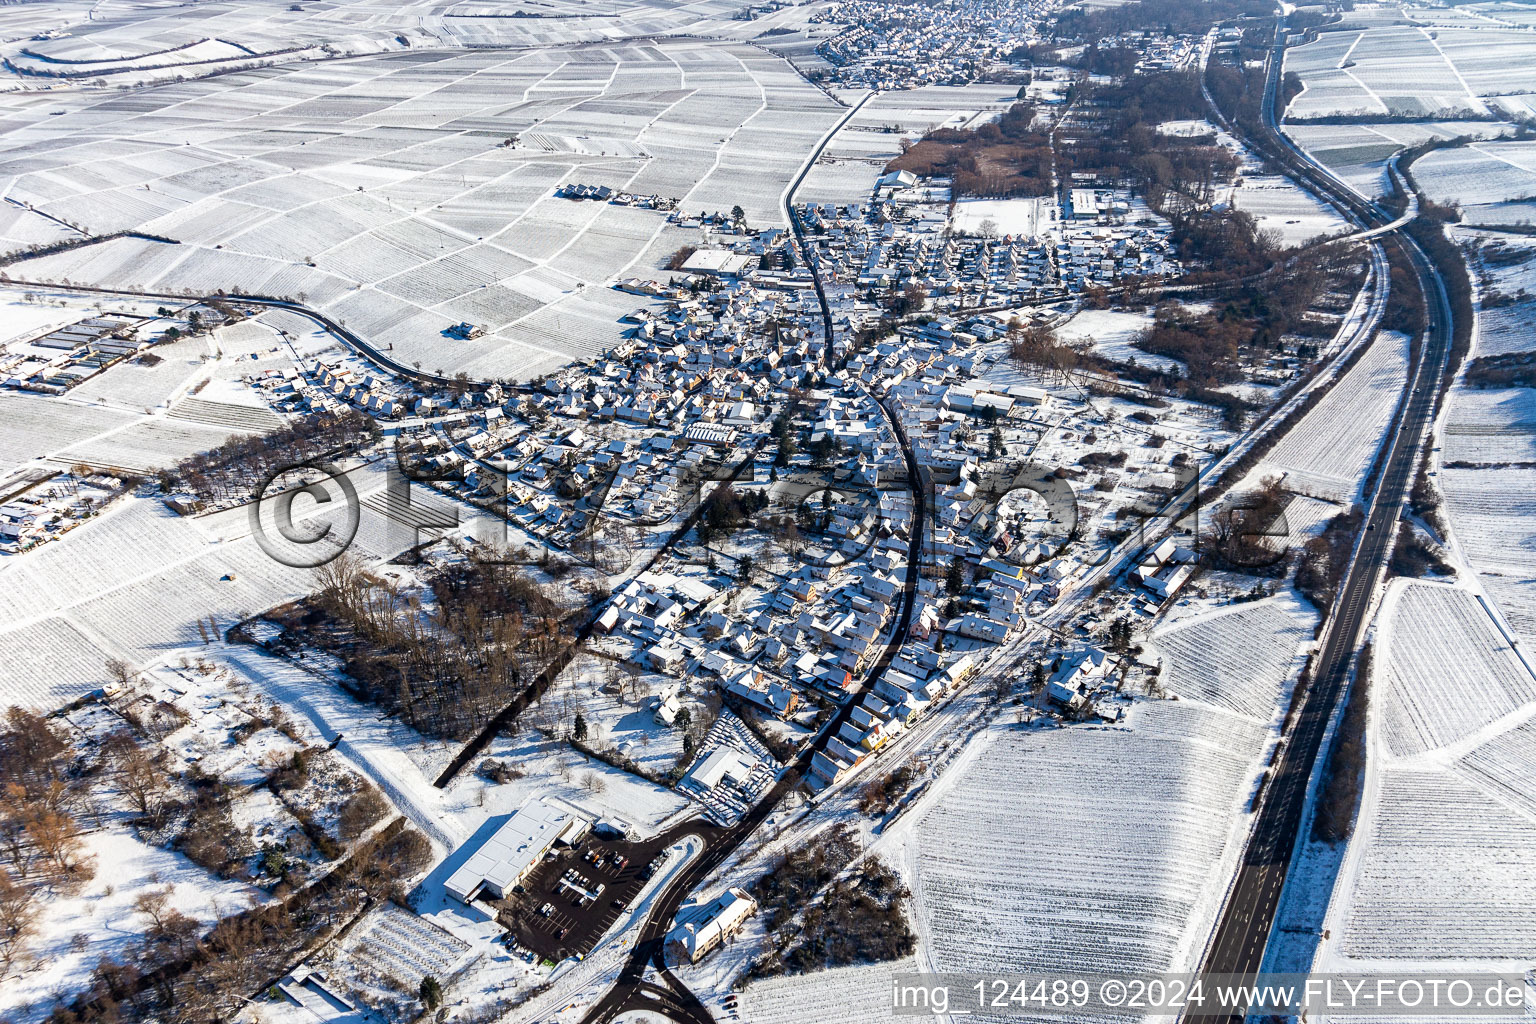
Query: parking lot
[(561, 911)]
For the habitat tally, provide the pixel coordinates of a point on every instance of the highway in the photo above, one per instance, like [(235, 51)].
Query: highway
[(1242, 932)]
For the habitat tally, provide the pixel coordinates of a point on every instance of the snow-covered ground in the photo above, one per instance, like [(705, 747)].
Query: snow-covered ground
[(1488, 445), (1112, 333), (1279, 205), (1235, 660), (1030, 218), (1328, 452), (1441, 870), (139, 582), (1103, 846), (76, 931)]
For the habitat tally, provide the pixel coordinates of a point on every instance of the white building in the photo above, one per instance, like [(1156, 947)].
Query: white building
[(723, 917), (513, 850)]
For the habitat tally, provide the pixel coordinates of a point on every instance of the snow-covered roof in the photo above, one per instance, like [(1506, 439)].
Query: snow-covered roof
[(513, 849)]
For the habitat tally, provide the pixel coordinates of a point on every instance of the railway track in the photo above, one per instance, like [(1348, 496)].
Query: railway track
[(1239, 942)]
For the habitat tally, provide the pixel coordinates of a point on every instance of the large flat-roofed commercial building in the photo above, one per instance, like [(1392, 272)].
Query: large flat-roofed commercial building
[(514, 849)]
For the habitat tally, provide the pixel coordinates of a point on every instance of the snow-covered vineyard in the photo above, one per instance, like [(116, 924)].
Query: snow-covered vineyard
[(1442, 867), (834, 524), (400, 215), (1329, 452)]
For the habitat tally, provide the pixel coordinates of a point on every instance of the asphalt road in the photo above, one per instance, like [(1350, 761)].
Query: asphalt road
[(631, 991), (1242, 934)]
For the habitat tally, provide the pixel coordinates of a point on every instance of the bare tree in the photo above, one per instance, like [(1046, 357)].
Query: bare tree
[(155, 905), (18, 919)]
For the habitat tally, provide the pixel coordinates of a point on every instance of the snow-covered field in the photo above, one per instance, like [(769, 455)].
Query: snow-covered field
[(1112, 333), (1090, 849), (1441, 870), (996, 217), (402, 213), (1494, 182), (1280, 206), (1447, 674), (1234, 660), (137, 581), (75, 932), (1329, 451), (1376, 63), (854, 995), (32, 426), (1488, 441)]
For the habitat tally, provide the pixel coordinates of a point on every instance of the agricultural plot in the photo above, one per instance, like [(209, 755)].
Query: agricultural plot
[(1086, 848), (1447, 874), (1237, 661), (1448, 672), (380, 189), (145, 447), (1484, 174), (1356, 154), (1442, 866), (872, 138), (1505, 768), (145, 384), (1381, 64), (1490, 427), (49, 663), (1279, 205), (1329, 451), (33, 427), (139, 581), (855, 995), (1506, 329), (1491, 512)]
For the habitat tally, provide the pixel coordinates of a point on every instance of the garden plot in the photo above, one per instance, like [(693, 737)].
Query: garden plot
[(1087, 849), (1026, 218), (551, 767), (1237, 661), (21, 320), (1328, 452), (1448, 671), (624, 722)]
